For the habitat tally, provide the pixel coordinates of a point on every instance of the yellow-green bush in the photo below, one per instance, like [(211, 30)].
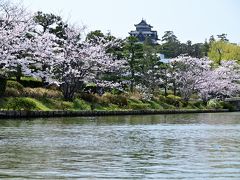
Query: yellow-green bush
[(80, 104), (20, 104), (66, 105), (136, 106), (174, 100), (214, 104), (155, 105), (166, 106)]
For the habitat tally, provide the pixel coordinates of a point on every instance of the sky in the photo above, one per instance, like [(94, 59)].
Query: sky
[(194, 20)]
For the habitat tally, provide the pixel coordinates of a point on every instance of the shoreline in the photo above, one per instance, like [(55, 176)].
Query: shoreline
[(11, 114)]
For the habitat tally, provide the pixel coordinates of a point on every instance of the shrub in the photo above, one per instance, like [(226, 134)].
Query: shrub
[(12, 92), (103, 100), (162, 98), (134, 101), (53, 87), (20, 104), (141, 106), (155, 105), (31, 83), (119, 100), (199, 104), (65, 105), (41, 93), (214, 104), (166, 106), (135, 95), (89, 97), (81, 105), (191, 106), (194, 96), (3, 102), (174, 100), (227, 105), (51, 103), (15, 85), (3, 83), (137, 104)]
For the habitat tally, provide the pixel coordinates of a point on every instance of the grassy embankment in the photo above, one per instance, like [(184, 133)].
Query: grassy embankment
[(29, 95)]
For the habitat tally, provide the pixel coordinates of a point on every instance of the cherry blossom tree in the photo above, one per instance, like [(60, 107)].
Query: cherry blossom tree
[(221, 82), (15, 45), (189, 74), (15, 48), (81, 62), (193, 75), (45, 53)]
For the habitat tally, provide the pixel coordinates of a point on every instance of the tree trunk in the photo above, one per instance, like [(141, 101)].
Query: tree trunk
[(220, 57), (174, 89), (132, 81), (166, 82), (43, 79), (70, 88), (19, 73), (68, 91), (165, 91), (3, 83)]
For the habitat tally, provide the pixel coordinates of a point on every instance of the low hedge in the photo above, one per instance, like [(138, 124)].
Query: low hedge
[(136, 106), (15, 85), (20, 104), (31, 83), (80, 104)]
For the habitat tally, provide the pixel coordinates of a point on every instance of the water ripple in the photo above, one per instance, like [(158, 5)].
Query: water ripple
[(194, 146)]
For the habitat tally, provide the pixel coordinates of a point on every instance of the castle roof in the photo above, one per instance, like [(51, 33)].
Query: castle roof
[(143, 23)]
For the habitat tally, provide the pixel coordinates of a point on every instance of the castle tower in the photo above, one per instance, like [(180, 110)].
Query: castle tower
[(144, 30)]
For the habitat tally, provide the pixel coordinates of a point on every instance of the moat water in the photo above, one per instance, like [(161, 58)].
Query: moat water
[(186, 146)]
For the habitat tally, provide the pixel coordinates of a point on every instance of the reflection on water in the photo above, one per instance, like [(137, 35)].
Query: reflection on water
[(188, 146)]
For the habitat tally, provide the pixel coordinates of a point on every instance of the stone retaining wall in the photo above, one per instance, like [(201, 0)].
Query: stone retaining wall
[(33, 114)]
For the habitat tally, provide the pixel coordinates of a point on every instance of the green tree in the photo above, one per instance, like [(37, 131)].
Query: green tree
[(94, 36), (197, 50), (223, 50), (115, 50), (133, 52), (171, 45), (205, 48), (150, 68), (211, 39), (223, 37), (148, 42), (54, 24), (193, 50)]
